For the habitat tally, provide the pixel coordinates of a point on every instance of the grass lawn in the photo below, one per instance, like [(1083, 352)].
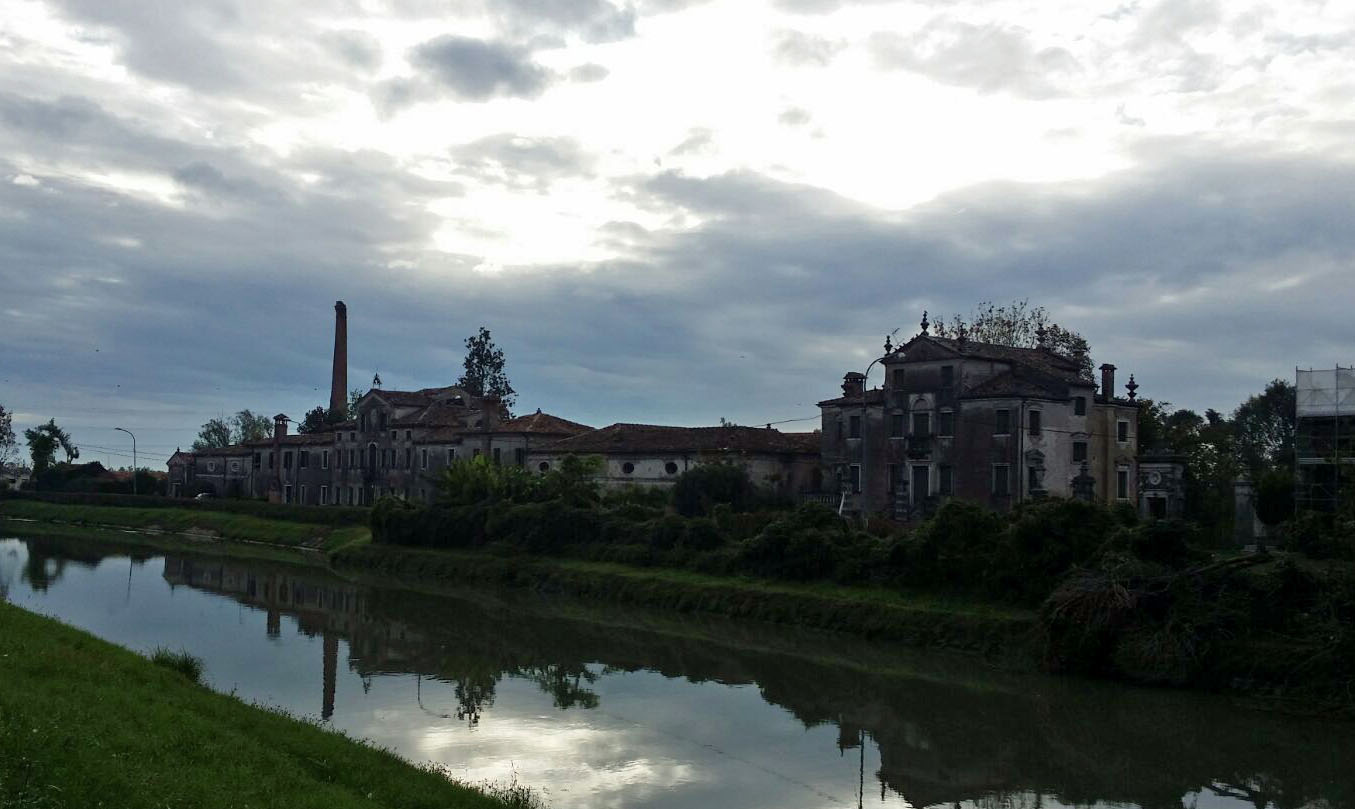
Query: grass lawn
[(240, 527), (84, 723)]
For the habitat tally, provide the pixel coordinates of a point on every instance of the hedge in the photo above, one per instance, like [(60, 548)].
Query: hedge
[(319, 515)]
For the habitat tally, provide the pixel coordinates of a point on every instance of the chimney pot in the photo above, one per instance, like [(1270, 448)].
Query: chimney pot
[(1108, 381)]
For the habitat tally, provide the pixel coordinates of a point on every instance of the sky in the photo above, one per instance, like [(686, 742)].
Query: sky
[(665, 211)]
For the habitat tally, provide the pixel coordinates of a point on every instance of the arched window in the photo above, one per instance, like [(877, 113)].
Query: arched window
[(371, 457)]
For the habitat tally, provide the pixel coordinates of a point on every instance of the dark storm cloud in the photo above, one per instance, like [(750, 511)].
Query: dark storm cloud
[(522, 162), (989, 58), (478, 70)]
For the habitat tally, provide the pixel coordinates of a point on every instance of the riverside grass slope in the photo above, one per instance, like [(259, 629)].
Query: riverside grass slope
[(84, 723)]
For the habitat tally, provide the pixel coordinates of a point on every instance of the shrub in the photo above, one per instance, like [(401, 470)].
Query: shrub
[(666, 532), (702, 535), (180, 661), (700, 488), (548, 527)]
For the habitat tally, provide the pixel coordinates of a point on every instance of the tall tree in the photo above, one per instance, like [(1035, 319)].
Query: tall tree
[(44, 441), (214, 434), (1264, 427), (249, 427), (484, 374), (1018, 324), (353, 396), (319, 419), (8, 443)]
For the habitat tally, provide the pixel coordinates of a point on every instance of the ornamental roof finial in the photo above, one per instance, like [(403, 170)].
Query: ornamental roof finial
[(1132, 387), (376, 380), (889, 346), (925, 324)]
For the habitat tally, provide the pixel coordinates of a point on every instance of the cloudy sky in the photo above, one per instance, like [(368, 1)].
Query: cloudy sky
[(667, 211)]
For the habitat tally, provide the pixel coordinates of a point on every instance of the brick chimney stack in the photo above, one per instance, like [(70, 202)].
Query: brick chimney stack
[(1108, 381), (338, 385)]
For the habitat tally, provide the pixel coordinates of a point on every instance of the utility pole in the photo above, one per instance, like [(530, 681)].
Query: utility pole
[(129, 432)]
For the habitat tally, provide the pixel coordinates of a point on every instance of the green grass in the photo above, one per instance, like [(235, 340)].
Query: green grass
[(212, 524), (84, 723), (180, 661)]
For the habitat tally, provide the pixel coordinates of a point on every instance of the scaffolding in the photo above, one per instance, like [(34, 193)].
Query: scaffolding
[(1325, 436)]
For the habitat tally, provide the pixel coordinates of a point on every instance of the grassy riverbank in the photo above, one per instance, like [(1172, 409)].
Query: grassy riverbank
[(192, 522), (916, 618), (85, 723)]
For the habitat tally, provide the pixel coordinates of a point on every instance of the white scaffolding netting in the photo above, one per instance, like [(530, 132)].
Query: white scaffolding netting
[(1326, 393)]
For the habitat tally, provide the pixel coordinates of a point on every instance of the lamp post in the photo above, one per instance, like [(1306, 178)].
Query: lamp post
[(865, 425), (129, 432)]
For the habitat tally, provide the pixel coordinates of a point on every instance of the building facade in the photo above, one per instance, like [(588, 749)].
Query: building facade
[(652, 455), (991, 424)]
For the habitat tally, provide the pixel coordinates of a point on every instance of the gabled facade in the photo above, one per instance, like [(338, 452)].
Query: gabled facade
[(987, 423)]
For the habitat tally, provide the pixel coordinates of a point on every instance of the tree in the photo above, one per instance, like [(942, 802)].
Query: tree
[(1018, 324), (214, 434), (319, 419), (249, 427), (484, 374), (1264, 428), (8, 443), (1275, 496), (353, 396), (44, 441)]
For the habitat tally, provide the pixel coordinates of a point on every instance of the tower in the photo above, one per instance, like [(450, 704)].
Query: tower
[(338, 385)]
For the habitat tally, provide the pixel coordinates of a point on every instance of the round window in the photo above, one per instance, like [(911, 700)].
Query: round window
[(211, 466), (544, 467), (670, 468), (235, 466), (628, 467)]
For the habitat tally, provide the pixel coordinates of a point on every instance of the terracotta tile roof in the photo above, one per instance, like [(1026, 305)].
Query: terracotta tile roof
[(873, 396), (1008, 385), (652, 438), (1039, 359), (539, 423), (438, 414)]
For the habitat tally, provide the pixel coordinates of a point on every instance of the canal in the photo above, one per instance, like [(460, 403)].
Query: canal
[(597, 706)]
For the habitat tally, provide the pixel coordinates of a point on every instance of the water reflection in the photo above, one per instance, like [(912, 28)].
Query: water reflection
[(628, 708)]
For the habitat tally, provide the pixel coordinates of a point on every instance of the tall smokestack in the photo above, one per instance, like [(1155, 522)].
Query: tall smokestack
[(338, 385)]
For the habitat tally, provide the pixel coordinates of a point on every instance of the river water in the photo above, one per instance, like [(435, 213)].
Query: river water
[(598, 706)]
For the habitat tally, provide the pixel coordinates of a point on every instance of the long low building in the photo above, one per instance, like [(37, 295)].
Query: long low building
[(655, 455)]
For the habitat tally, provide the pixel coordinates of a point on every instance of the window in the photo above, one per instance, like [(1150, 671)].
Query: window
[(1122, 432), (1002, 479), (945, 480), (395, 435), (1079, 405), (270, 460), (324, 495), (899, 379), (352, 458), (1079, 451), (258, 460), (475, 453), (451, 454), (287, 461), (671, 468), (1032, 478), (409, 457), (382, 416), (409, 434), (856, 479), (235, 466), (854, 423), (423, 458), (922, 424), (1122, 484), (302, 501), (544, 466), (350, 495), (352, 436), (1034, 422), (303, 459), (896, 425), (324, 459), (627, 467), (211, 466), (362, 422), (892, 476), (922, 484), (947, 376), (1002, 422), (287, 494), (497, 455), (520, 456), (945, 423)]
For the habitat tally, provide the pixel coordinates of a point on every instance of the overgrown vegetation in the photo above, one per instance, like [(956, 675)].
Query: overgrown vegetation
[(84, 723), (189, 666)]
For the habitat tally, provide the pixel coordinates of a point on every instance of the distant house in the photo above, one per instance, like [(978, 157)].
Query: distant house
[(14, 476), (654, 455), (988, 423)]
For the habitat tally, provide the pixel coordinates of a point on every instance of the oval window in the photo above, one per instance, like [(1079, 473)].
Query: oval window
[(628, 467), (211, 466), (544, 467), (670, 468)]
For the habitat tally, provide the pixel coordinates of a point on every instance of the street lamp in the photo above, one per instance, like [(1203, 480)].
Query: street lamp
[(129, 432)]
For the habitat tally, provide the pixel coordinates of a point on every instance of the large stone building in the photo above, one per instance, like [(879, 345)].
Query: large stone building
[(988, 423), (396, 445)]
